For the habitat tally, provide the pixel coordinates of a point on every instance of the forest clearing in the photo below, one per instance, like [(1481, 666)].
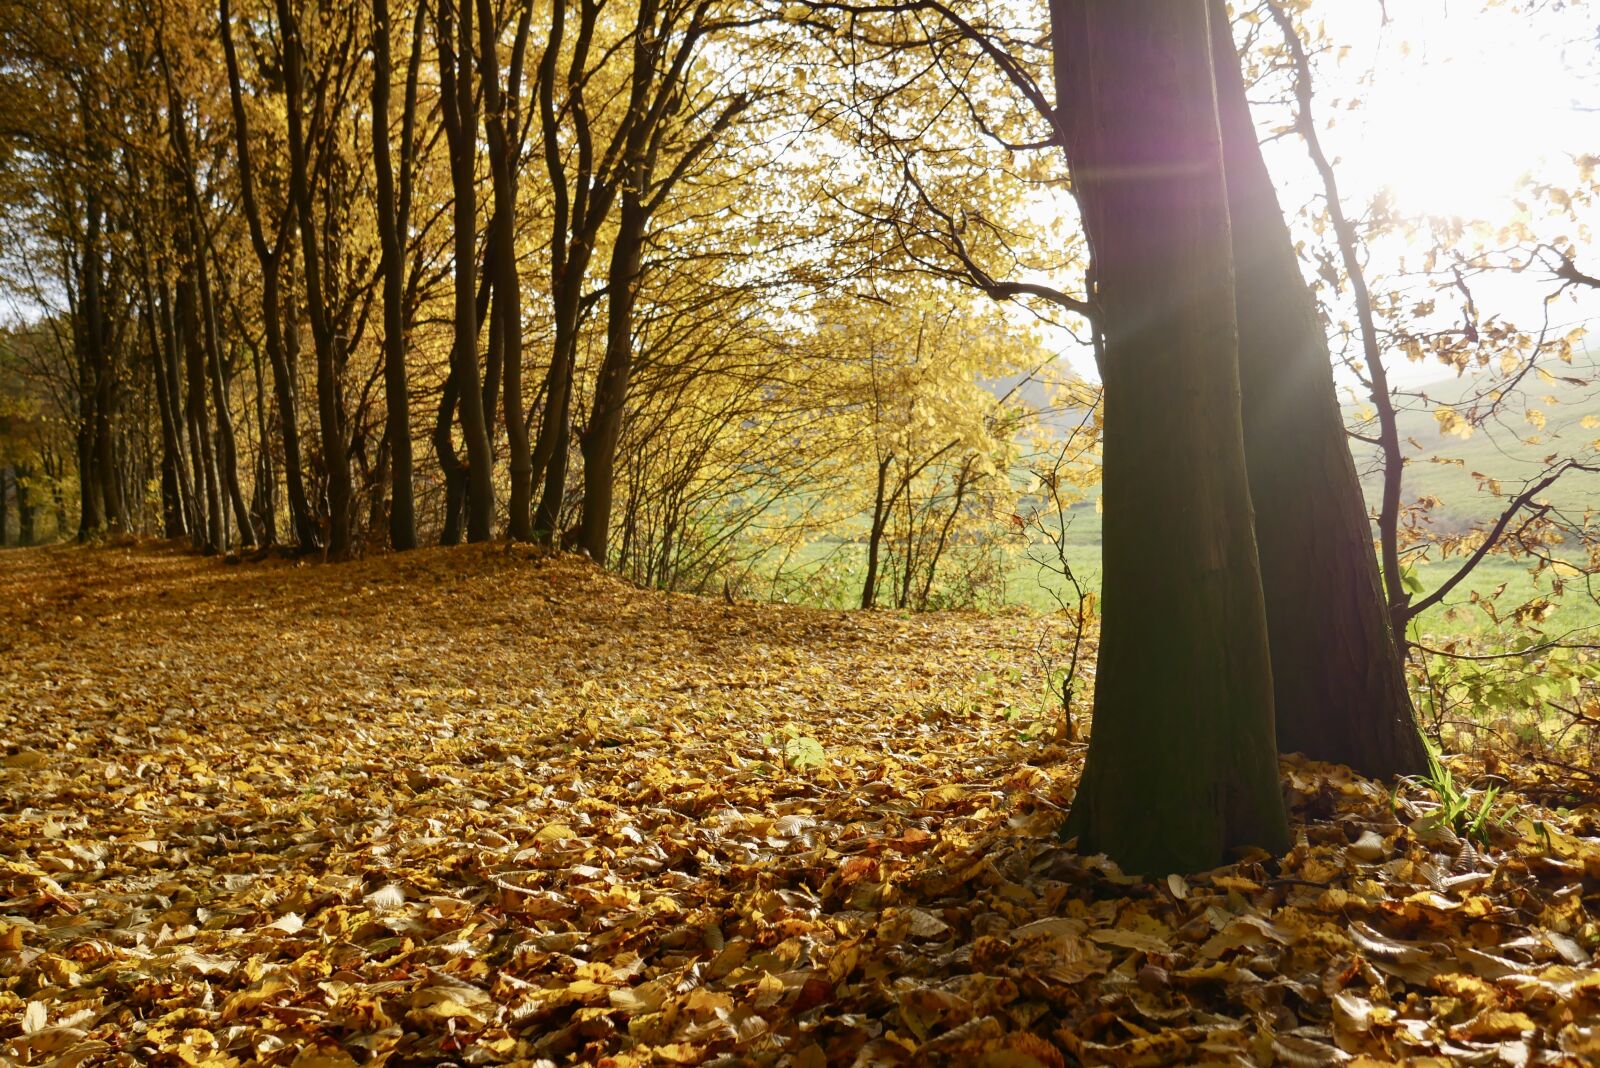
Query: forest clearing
[(486, 805)]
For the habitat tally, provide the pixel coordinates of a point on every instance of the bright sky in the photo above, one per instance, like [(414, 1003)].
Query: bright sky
[(1461, 103), (1456, 106)]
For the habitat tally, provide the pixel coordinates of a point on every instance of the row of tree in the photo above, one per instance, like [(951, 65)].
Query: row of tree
[(265, 246)]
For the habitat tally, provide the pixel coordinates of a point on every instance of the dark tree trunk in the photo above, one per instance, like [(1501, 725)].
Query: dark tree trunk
[(25, 507), (461, 125), (90, 519), (172, 505), (502, 130), (455, 472), (207, 536), (1339, 680), (599, 440), (5, 506), (392, 220), (1182, 764), (880, 520), (328, 345), (188, 469), (264, 505), (227, 446), (270, 256), (198, 266), (104, 472)]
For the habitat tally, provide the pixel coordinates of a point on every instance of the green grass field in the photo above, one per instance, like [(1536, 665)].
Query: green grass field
[(834, 572), (1451, 471)]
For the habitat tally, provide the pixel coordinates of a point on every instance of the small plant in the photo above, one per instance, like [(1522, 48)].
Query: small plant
[(1468, 813)]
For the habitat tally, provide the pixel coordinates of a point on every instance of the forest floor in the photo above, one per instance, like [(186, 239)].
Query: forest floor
[(480, 806)]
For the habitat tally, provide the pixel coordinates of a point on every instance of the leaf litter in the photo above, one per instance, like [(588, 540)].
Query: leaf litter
[(481, 806)]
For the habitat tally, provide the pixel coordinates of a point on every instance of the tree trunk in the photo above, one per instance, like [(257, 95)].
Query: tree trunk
[(502, 132), (455, 472), (109, 490), (1339, 680), (227, 446), (25, 508), (461, 124), (402, 507), (330, 359), (600, 438), (880, 519), (269, 256), (1182, 764), (208, 536), (172, 504), (90, 518), (264, 505)]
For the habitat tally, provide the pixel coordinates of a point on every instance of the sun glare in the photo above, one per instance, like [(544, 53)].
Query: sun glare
[(1461, 107)]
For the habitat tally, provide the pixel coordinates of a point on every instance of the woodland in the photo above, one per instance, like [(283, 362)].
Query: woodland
[(805, 533)]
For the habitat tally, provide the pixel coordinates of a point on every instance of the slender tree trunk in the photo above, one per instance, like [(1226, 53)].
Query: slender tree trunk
[(402, 508), (599, 440), (963, 481), (502, 131), (105, 390), (1339, 680), (270, 256), (910, 561), (330, 360), (227, 443), (880, 520), (198, 264), (209, 536), (461, 124), (174, 479), (25, 508), (450, 463), (172, 525), (90, 519), (1182, 765), (5, 506), (170, 349), (264, 508), (284, 393), (455, 472)]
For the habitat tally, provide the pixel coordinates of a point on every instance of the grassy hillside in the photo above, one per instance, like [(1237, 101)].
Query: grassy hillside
[(1511, 448)]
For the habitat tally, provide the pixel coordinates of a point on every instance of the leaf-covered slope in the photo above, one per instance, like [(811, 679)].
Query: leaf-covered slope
[(477, 807)]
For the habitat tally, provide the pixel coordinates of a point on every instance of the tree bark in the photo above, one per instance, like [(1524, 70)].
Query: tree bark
[(330, 361), (461, 124), (25, 507), (208, 536), (270, 256), (393, 212), (880, 520), (1338, 675), (1182, 764), (600, 437), (502, 131), (92, 306), (172, 503)]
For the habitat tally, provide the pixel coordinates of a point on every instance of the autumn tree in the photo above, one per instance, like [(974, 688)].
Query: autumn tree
[(1182, 764), (1339, 678)]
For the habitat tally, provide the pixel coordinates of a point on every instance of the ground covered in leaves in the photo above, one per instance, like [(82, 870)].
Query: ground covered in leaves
[(478, 806)]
